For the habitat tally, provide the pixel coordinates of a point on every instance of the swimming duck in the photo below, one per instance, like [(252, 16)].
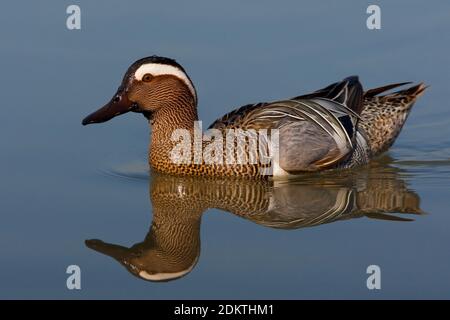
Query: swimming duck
[(339, 126)]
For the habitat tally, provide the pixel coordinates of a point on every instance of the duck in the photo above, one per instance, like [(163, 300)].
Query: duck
[(340, 126), (171, 247)]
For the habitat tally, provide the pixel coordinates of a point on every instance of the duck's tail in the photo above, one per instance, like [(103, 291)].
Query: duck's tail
[(382, 117)]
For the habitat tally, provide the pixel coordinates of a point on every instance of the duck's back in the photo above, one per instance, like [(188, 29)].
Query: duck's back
[(339, 126), (316, 131)]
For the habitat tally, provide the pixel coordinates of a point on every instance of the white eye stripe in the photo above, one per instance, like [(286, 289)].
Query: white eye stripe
[(157, 69)]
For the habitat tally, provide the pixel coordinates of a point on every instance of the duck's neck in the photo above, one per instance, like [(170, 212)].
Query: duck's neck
[(179, 113)]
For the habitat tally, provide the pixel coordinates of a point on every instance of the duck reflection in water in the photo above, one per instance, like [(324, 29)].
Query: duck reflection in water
[(171, 248)]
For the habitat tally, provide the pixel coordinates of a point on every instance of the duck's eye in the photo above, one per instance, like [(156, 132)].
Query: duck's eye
[(147, 77)]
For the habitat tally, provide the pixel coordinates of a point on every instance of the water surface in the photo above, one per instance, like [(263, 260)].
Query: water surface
[(63, 184)]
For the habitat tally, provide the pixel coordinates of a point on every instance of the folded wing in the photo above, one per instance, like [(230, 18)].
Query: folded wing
[(316, 131)]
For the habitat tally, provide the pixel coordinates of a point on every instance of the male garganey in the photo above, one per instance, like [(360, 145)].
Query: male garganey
[(339, 126)]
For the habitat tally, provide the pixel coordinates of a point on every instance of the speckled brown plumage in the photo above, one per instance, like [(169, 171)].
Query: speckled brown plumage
[(383, 117), (381, 120)]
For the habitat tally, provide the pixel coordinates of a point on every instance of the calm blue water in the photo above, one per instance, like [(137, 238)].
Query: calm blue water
[(62, 183)]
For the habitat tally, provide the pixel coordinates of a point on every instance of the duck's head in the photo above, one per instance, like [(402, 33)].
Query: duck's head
[(149, 84)]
